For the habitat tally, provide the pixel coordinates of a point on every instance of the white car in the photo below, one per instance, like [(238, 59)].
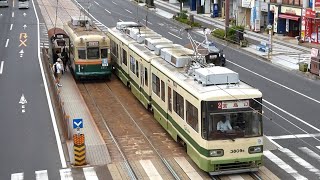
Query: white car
[(4, 3)]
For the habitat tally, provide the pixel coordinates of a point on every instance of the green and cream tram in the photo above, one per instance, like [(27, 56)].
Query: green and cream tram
[(208, 109), (89, 49)]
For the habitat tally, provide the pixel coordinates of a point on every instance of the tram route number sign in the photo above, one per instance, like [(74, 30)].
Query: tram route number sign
[(77, 123), (233, 104)]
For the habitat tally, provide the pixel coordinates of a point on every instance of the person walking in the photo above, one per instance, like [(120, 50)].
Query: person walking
[(58, 68), (65, 58)]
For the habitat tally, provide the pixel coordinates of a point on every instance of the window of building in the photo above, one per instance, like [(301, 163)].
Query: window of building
[(178, 104), (156, 84), (192, 115), (146, 77), (124, 57), (132, 64), (163, 91)]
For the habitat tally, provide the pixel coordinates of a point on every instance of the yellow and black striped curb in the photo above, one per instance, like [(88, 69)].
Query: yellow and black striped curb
[(79, 155)]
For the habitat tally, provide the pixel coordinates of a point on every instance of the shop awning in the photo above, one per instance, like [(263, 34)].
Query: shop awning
[(291, 17)]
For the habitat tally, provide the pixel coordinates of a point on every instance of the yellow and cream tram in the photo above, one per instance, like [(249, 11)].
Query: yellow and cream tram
[(208, 109), (89, 49)]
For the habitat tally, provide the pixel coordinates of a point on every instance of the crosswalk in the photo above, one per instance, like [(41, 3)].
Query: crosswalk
[(298, 163), (44, 39), (87, 173)]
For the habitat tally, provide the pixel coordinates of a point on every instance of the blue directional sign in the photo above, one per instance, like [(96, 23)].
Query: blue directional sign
[(77, 123)]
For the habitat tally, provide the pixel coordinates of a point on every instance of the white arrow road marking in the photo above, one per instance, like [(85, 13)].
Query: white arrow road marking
[(23, 100), (21, 53), (24, 26), (78, 124), (7, 42), (1, 67)]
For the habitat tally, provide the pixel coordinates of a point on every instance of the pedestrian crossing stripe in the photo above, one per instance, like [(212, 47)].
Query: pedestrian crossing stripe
[(42, 175), (287, 168), (17, 176), (66, 174), (310, 153), (90, 173)]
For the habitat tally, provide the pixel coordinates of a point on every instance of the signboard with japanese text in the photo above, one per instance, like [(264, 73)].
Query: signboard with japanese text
[(287, 25), (93, 43), (247, 3), (290, 10), (233, 104), (303, 25), (275, 20), (310, 13), (316, 6)]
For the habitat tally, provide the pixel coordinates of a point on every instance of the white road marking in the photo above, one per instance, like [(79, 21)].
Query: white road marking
[(53, 118), (301, 161), (1, 67), (17, 176), (42, 175), (90, 173), (174, 35), (310, 153), (128, 11), (273, 142), (66, 174), (11, 25), (283, 165), (293, 136), (297, 92), (97, 3), (147, 21), (313, 127), (318, 147), (107, 11), (187, 168), (150, 170), (7, 42), (12, 14), (114, 3), (13, 3), (120, 20)]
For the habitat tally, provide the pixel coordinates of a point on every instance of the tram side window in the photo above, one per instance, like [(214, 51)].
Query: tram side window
[(169, 99), (137, 68), (132, 64), (163, 91), (178, 104), (146, 76), (156, 84), (192, 115), (124, 57), (104, 53), (82, 53)]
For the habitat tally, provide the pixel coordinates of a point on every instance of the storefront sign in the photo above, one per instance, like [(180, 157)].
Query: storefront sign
[(303, 25), (308, 29), (275, 20), (310, 14), (247, 3), (314, 52), (264, 7), (316, 6), (287, 25), (290, 10)]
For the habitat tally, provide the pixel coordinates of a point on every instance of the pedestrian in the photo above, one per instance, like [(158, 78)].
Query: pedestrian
[(58, 69), (55, 56), (65, 58)]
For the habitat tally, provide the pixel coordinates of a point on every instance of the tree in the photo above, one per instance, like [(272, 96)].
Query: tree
[(182, 1)]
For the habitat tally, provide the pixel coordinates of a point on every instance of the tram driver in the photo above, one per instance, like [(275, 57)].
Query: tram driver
[(224, 124)]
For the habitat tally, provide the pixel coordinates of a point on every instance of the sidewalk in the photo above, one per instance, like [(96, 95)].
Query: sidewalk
[(285, 52), (73, 103)]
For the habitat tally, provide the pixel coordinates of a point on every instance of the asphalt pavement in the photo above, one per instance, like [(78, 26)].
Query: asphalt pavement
[(28, 141)]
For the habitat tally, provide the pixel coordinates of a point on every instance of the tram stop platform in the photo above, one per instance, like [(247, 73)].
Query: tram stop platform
[(76, 108)]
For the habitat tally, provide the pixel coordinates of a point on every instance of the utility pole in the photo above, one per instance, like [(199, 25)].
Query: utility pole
[(270, 41), (226, 7)]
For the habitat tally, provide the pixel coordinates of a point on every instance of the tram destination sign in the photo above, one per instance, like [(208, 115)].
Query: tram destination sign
[(233, 104), (93, 43)]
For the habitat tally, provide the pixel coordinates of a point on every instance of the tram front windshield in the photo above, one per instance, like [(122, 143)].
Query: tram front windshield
[(234, 125), (93, 53)]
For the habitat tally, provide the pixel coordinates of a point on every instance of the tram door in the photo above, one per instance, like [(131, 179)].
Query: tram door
[(141, 76)]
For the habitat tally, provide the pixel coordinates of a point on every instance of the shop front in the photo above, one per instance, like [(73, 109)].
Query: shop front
[(310, 26), (243, 17), (289, 21)]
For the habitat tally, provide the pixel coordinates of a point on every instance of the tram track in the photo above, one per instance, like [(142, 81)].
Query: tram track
[(135, 129)]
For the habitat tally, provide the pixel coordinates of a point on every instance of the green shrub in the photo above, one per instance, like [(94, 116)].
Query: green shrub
[(219, 33)]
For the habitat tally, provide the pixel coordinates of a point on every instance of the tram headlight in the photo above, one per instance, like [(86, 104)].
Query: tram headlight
[(216, 152), (255, 149)]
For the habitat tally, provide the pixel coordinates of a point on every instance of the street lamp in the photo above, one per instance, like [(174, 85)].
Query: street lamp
[(269, 27)]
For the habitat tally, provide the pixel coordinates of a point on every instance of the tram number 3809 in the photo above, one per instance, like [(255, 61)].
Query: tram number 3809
[(236, 150)]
